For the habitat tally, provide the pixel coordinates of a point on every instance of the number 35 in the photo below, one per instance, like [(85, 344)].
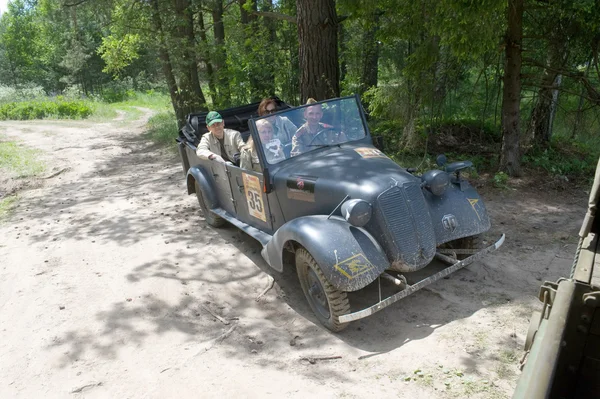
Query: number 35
[(254, 201)]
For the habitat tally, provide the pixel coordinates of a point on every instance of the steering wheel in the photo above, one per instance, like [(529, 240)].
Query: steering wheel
[(327, 129)]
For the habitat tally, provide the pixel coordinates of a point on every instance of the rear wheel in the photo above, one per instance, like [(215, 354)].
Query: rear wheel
[(327, 303), (211, 218)]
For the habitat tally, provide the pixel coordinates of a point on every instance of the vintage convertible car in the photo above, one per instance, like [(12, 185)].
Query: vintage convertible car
[(340, 210)]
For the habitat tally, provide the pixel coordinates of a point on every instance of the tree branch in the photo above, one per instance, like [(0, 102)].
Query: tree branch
[(75, 4)]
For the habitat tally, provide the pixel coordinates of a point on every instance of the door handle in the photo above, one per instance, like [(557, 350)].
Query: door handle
[(240, 186)]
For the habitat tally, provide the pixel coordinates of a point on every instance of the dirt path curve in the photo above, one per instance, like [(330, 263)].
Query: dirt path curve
[(108, 276)]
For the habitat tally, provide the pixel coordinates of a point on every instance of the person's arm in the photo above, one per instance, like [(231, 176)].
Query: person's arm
[(298, 146), (203, 150), (238, 141), (289, 128)]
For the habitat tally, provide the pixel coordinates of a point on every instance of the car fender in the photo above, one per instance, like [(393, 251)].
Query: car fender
[(459, 213), (198, 174), (349, 256)]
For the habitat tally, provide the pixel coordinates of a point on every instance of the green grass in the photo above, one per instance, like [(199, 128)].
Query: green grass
[(19, 161), (156, 101), (54, 108), (6, 205), (162, 129)]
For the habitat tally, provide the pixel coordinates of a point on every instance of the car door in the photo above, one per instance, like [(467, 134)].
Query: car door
[(249, 197)]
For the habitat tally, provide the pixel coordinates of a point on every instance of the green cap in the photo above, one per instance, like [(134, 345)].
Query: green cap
[(213, 117)]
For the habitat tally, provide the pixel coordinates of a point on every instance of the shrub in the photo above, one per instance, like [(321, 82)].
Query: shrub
[(40, 109)]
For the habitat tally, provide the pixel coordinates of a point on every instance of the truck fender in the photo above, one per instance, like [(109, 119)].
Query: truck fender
[(349, 256), (198, 174)]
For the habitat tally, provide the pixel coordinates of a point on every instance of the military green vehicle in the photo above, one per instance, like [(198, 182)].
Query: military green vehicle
[(562, 358)]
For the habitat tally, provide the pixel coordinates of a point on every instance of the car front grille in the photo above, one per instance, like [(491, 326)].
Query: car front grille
[(403, 217)]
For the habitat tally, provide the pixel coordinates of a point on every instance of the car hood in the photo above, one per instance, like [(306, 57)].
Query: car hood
[(358, 170)]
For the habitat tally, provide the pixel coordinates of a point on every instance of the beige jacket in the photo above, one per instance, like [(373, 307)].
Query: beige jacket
[(249, 160), (209, 144)]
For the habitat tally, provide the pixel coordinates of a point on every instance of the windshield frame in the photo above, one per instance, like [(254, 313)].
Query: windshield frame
[(260, 150)]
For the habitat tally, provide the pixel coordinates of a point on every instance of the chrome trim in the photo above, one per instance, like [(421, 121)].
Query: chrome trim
[(455, 265)]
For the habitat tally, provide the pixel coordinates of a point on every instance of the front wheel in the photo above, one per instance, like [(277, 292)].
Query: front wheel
[(211, 218), (327, 303)]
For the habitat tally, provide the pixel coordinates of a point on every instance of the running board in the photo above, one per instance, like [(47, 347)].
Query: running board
[(455, 265), (253, 232)]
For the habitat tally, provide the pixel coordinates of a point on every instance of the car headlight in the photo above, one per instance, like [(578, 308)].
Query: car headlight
[(436, 181), (357, 212)]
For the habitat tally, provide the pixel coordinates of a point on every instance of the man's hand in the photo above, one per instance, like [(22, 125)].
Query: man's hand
[(216, 158)]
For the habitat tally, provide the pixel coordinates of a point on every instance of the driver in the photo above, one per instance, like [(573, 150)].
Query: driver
[(309, 133)]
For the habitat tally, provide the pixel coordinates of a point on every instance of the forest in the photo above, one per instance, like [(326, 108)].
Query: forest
[(512, 83)]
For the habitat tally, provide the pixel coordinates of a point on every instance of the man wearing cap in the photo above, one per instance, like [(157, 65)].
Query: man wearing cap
[(219, 144)]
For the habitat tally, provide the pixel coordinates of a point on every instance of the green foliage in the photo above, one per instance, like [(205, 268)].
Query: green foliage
[(500, 179), (17, 161), (118, 53), (162, 129), (6, 205), (40, 109), (565, 159)]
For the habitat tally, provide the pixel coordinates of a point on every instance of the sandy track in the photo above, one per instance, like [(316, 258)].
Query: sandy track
[(107, 269)]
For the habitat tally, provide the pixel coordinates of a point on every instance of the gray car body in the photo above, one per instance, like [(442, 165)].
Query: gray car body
[(301, 205)]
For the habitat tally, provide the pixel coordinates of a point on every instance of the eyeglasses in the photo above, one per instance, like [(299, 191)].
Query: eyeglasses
[(270, 111)]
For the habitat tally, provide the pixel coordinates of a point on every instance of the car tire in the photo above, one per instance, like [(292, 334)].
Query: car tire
[(211, 218), (326, 302)]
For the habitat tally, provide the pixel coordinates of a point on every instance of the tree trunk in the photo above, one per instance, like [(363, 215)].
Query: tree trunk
[(318, 52), (343, 48), (542, 114), (191, 94), (166, 64), (220, 57), (510, 157), (370, 58), (205, 57), (579, 114), (271, 26)]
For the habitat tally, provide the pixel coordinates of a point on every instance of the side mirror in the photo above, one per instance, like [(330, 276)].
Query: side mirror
[(441, 160)]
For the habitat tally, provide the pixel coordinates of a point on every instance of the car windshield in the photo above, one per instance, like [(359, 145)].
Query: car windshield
[(303, 129)]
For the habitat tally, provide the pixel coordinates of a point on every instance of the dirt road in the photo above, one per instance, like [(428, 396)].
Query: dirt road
[(109, 276)]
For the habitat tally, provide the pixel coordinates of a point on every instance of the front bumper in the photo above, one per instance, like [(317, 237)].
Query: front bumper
[(454, 266)]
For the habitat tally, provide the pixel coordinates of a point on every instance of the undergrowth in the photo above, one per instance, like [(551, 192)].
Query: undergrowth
[(162, 129), (57, 108)]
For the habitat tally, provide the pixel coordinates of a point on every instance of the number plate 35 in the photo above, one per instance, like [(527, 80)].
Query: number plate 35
[(254, 198)]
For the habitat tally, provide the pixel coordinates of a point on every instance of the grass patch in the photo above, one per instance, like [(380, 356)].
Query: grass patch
[(18, 161), (57, 108), (156, 101), (6, 205), (162, 128)]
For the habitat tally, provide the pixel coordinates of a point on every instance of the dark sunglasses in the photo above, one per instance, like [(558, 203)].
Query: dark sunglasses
[(271, 111)]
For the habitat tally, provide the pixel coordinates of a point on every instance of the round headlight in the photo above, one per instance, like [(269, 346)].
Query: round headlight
[(357, 212), (436, 181)]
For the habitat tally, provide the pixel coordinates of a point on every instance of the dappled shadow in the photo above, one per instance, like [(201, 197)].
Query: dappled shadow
[(135, 193)]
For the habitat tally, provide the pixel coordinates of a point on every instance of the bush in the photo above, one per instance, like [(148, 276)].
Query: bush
[(23, 93), (162, 128), (40, 109)]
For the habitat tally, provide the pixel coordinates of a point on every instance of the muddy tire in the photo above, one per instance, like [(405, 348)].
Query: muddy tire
[(211, 218), (327, 303)]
